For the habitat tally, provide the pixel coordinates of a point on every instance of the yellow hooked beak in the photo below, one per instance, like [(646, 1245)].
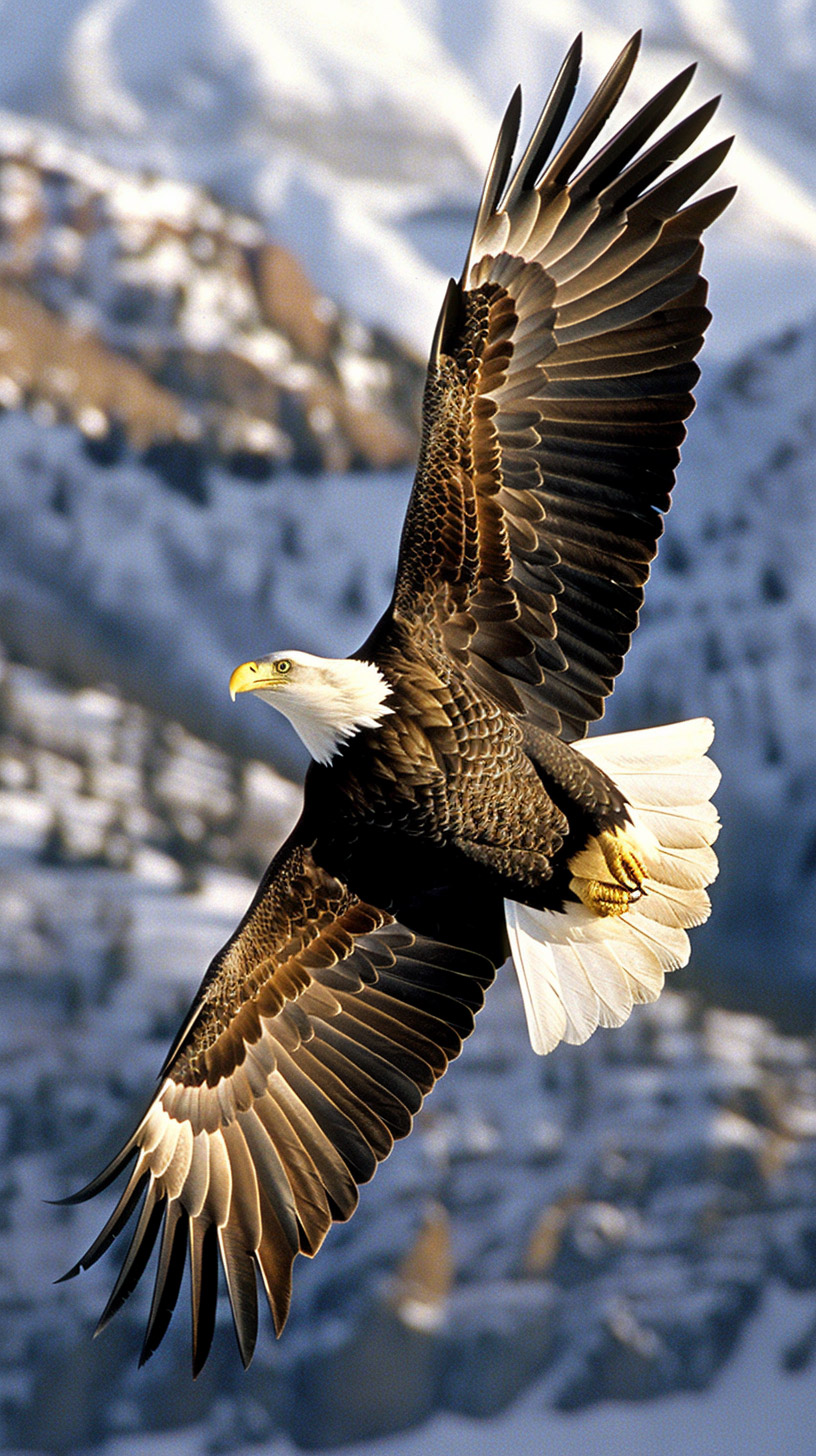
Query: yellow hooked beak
[(247, 677)]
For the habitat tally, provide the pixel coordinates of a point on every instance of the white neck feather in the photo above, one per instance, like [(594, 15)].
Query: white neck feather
[(328, 700)]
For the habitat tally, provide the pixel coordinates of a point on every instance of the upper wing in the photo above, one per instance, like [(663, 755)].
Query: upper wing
[(314, 1036), (560, 375)]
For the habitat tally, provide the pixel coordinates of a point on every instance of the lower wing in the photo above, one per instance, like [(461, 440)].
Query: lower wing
[(315, 1035)]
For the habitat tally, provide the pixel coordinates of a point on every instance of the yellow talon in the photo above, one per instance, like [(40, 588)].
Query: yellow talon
[(604, 899)]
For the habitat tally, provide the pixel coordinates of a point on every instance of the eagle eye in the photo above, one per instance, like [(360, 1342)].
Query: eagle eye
[(283, 665)]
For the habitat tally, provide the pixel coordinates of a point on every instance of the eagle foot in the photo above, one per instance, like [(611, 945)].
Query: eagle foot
[(626, 870)]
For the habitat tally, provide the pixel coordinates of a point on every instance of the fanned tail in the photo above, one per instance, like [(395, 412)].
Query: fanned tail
[(579, 969)]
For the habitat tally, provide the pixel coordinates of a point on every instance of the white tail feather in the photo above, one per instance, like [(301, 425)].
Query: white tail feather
[(579, 970)]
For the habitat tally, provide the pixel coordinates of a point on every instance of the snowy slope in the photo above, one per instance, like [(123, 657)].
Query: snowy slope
[(360, 131), (106, 574), (137, 307)]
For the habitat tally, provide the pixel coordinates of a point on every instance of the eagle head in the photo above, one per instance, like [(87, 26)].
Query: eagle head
[(326, 699)]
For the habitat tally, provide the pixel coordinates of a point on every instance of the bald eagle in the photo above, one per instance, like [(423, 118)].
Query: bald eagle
[(451, 815)]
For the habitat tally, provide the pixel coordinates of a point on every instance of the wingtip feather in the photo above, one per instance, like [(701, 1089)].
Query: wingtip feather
[(71, 1274), (102, 1180)]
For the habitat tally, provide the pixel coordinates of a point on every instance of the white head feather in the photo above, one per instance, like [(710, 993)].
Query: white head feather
[(327, 700)]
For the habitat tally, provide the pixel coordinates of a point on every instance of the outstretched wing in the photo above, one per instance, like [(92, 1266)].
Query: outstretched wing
[(312, 1041), (561, 372)]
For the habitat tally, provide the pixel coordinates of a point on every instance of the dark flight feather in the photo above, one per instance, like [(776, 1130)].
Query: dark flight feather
[(169, 1272)]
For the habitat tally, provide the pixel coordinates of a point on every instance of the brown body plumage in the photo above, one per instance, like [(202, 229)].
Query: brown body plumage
[(447, 809)]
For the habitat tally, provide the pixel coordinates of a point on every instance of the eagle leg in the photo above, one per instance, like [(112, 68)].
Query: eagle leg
[(623, 861)]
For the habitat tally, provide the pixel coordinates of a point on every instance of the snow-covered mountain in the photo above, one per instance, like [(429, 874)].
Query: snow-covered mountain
[(140, 310), (108, 573), (359, 131)]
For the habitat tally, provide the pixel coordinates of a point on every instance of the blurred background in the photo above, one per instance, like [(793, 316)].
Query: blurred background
[(225, 232)]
